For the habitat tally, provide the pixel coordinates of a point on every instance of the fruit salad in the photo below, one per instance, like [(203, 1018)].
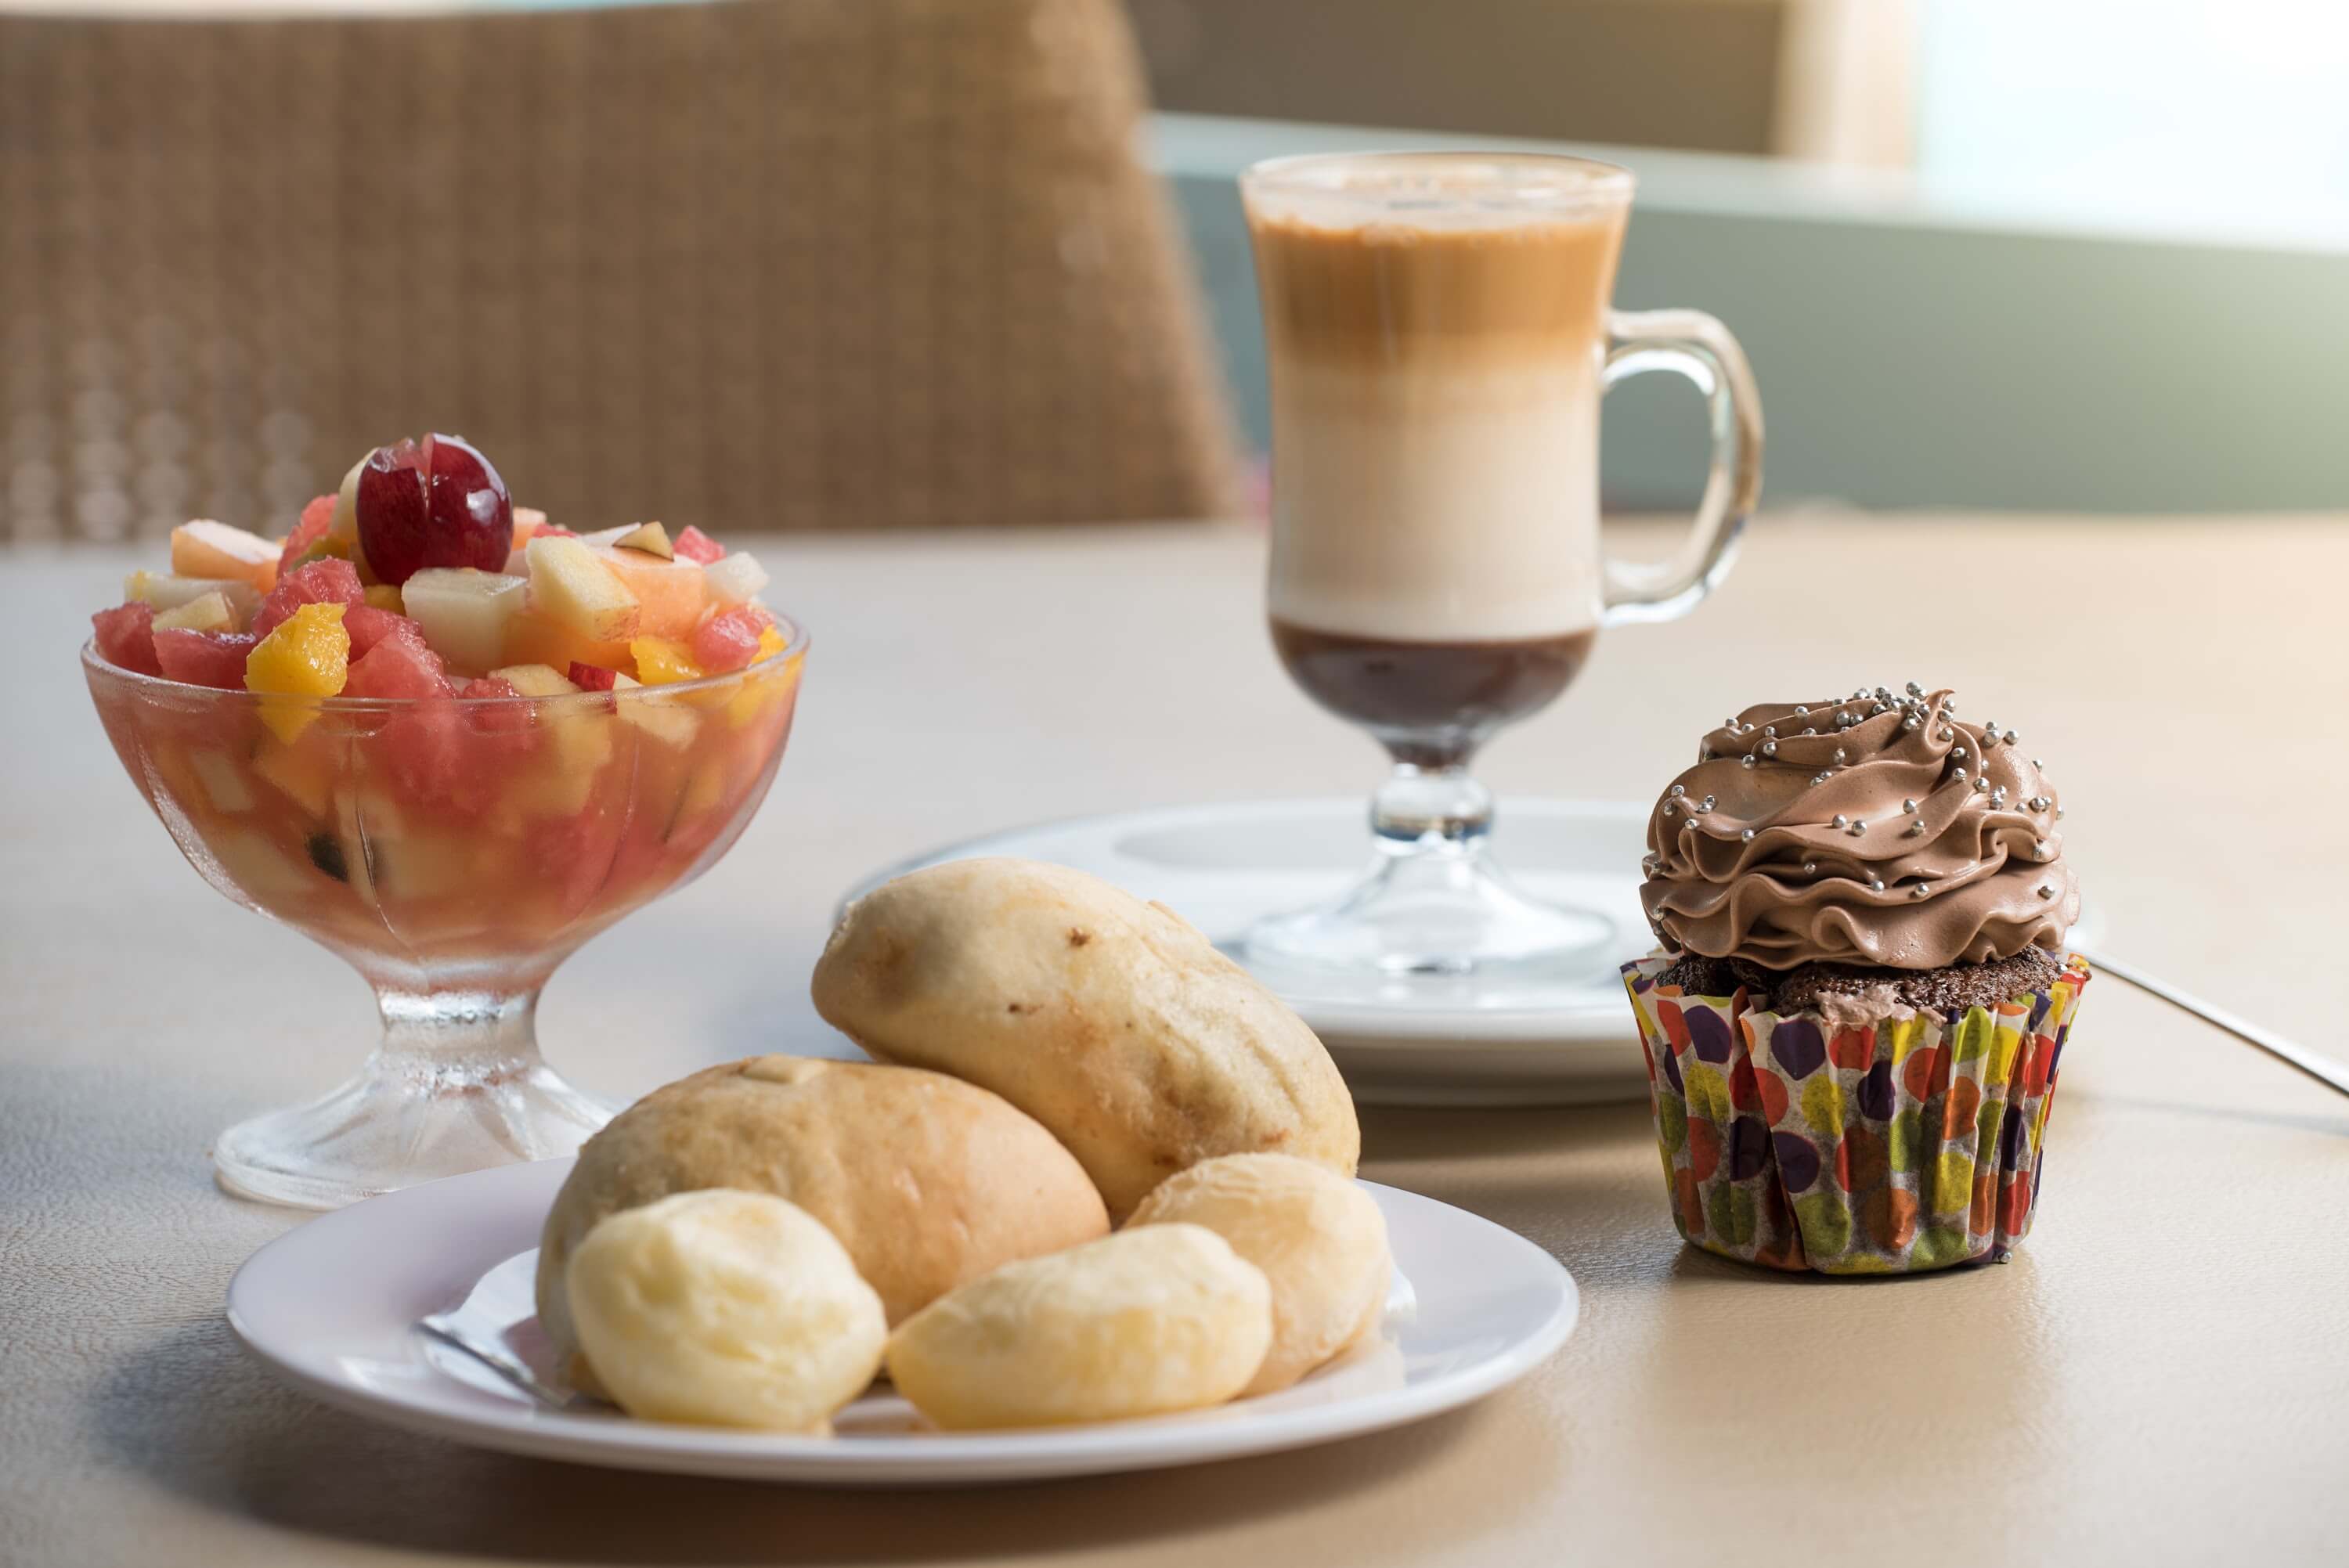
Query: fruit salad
[(458, 732)]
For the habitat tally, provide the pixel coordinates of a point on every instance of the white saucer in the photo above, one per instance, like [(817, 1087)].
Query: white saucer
[(1405, 1041), (333, 1305)]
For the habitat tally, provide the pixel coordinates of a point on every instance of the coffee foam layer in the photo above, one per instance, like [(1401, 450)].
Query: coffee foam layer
[(1432, 508)]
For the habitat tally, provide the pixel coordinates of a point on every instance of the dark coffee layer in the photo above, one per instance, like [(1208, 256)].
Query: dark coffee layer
[(1432, 702), (1798, 990)]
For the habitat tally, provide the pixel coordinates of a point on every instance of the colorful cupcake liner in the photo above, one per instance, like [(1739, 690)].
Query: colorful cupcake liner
[(1893, 1146)]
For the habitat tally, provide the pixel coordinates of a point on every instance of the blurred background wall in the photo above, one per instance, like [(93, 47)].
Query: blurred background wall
[(849, 264)]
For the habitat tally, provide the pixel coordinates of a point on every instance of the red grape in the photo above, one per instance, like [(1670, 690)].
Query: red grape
[(436, 502)]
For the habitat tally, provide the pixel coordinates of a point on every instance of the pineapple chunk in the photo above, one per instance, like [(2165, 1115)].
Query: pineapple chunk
[(570, 587), (582, 737), (735, 578), (661, 662), (222, 781), (170, 593), (205, 613), (303, 772), (464, 612), (535, 680), (208, 549), (306, 657)]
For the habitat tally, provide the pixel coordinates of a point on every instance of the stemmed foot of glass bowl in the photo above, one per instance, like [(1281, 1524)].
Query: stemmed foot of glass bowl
[(1434, 904), (457, 1085)]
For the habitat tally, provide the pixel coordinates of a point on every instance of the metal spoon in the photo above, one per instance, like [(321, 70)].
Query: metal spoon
[(445, 1327), (2323, 1068)]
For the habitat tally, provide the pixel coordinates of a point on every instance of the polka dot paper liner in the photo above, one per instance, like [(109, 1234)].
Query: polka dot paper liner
[(1893, 1146)]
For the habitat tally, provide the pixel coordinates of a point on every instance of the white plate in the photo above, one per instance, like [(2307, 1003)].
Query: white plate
[(332, 1306), (1414, 1041)]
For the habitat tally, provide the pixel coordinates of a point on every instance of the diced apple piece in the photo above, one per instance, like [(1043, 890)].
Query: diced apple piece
[(527, 520), (608, 535), (735, 578), (670, 595), (205, 613), (170, 593), (650, 538), (222, 781), (465, 613), (662, 718), (207, 549), (573, 588), (425, 865)]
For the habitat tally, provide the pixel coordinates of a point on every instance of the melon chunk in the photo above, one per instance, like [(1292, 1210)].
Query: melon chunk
[(207, 549), (571, 586), (669, 594), (464, 612)]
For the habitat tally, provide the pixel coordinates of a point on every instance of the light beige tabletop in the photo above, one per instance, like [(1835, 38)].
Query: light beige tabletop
[(2160, 1375)]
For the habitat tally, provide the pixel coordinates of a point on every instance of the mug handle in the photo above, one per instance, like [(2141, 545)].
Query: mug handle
[(1691, 344)]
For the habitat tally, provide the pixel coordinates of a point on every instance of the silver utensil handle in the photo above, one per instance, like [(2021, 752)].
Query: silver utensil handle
[(2323, 1070)]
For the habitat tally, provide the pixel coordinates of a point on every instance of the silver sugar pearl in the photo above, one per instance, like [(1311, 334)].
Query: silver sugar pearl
[(1800, 709), (1747, 835), (2047, 891), (1857, 829), (1708, 802), (1944, 735), (1839, 756), (1769, 748), (1809, 730), (1680, 789), (1909, 806), (2059, 814), (1911, 722), (1810, 867), (1875, 884), (1917, 830), (1818, 778), (1771, 730), (1669, 808), (1916, 690), (1839, 821), (2042, 848), (1957, 754), (1747, 760), (2037, 763)]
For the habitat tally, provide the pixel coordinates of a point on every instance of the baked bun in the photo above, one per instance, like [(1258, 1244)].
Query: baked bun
[(1318, 1239), (926, 1180), (725, 1308), (1137, 1324), (1109, 1020)]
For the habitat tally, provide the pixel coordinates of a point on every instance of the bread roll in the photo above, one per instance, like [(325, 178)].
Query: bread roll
[(725, 1308), (1318, 1239), (925, 1180), (1138, 1324), (1109, 1020)]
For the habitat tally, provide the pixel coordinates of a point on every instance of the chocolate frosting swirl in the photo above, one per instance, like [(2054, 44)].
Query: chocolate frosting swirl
[(1880, 829)]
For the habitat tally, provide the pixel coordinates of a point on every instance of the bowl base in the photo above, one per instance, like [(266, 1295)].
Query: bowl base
[(395, 1126)]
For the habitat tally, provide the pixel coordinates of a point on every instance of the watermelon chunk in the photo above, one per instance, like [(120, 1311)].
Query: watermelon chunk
[(317, 518), (592, 677), (331, 581), (397, 667), (368, 626), (205, 658), (496, 717), (729, 641), (125, 636), (695, 545)]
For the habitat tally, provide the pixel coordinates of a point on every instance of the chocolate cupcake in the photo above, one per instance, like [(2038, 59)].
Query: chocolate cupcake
[(1854, 1021)]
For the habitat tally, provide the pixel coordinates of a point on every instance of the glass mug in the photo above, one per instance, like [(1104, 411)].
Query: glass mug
[(1438, 335)]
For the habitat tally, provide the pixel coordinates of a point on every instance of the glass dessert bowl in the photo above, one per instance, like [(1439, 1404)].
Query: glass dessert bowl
[(324, 757)]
